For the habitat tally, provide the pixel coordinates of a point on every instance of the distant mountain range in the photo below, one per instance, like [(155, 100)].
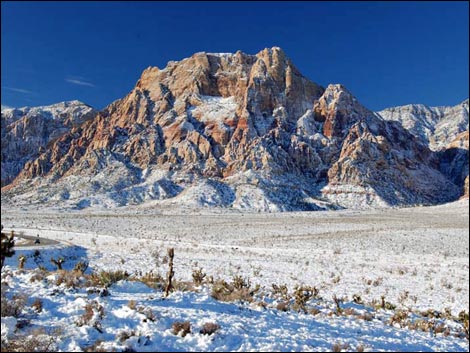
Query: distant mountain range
[(234, 130)]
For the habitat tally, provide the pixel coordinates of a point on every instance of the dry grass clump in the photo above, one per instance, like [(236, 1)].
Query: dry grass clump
[(238, 290), (181, 327), (152, 279), (107, 278), (71, 279)]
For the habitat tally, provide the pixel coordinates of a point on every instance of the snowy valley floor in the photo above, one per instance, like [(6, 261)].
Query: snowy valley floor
[(416, 259)]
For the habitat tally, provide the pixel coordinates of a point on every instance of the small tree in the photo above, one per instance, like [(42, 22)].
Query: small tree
[(7, 244)]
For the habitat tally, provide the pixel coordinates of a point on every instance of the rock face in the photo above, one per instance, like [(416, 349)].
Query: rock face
[(234, 130), (27, 132), (434, 126), (454, 161)]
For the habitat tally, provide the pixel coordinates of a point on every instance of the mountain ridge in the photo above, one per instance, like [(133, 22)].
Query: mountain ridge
[(235, 130)]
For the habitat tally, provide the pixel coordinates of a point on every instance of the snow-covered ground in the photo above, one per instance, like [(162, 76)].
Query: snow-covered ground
[(416, 258)]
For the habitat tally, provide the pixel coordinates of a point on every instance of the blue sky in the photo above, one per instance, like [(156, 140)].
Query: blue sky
[(385, 53)]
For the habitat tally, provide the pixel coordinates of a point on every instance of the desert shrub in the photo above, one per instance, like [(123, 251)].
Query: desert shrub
[(399, 318), (240, 283), (183, 286), (302, 294), (14, 306), (385, 305), (209, 328), (338, 347), (36, 341), (152, 279), (338, 302), (282, 306), (70, 279), (124, 335), (94, 313), (280, 291), (463, 317), (81, 267), (421, 325), (107, 278), (314, 311), (37, 305), (147, 312), (38, 275), (198, 276), (183, 327), (223, 291)]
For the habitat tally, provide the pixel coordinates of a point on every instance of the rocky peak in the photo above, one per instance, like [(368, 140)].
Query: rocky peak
[(338, 109)]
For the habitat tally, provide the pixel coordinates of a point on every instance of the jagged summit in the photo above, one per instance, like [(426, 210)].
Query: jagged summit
[(232, 130)]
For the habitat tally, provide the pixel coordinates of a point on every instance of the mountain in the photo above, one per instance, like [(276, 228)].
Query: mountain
[(26, 132), (434, 126), (442, 129), (234, 130)]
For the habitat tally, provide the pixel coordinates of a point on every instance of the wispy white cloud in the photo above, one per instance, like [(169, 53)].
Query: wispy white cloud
[(79, 81), (19, 90)]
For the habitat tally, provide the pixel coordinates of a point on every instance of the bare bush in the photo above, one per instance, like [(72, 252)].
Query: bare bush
[(14, 306), (181, 327)]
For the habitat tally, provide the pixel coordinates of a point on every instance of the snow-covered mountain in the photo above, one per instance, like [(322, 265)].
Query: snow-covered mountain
[(26, 132), (233, 130), (435, 126)]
